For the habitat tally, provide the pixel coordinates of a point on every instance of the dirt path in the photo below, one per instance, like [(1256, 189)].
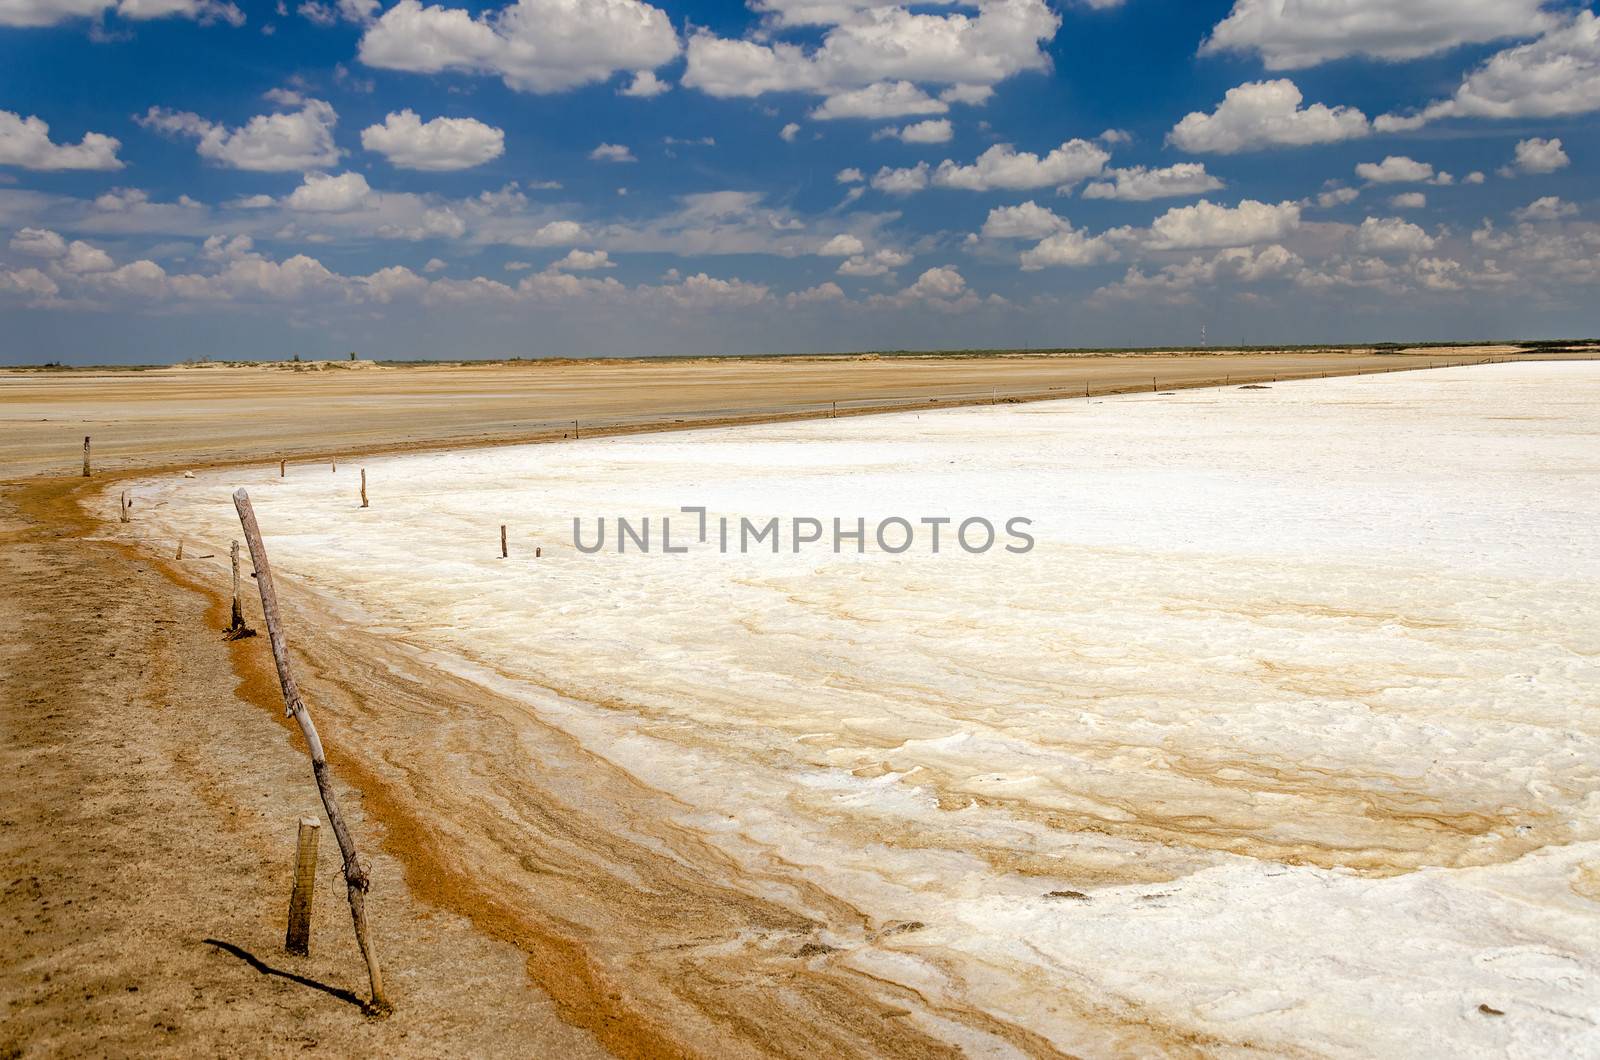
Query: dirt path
[(148, 808)]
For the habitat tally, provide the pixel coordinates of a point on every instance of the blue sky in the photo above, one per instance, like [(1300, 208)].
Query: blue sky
[(184, 178)]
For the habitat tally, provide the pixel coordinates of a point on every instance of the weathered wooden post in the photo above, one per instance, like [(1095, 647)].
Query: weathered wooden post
[(503, 552), (333, 465), (363, 487), (237, 630), (574, 430), (282, 471), (86, 456), (180, 549), (124, 502), (538, 551), (357, 882), (297, 939)]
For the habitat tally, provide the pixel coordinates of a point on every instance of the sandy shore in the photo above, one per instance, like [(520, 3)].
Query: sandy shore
[(152, 786), (170, 416)]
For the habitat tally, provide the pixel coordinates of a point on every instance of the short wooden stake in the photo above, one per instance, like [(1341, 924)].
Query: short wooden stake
[(237, 630), (357, 882), (124, 515), (334, 466), (282, 470), (298, 938), (538, 551), (503, 552), (363, 487), (180, 548), (86, 456), (574, 430)]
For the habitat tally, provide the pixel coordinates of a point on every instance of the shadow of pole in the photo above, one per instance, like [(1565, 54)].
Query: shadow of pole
[(266, 969)]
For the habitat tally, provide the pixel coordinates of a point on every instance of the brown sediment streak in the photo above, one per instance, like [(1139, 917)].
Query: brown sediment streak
[(556, 964), (686, 999), (654, 941)]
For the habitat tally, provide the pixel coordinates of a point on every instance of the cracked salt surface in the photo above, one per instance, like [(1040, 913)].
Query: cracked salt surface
[(1298, 688)]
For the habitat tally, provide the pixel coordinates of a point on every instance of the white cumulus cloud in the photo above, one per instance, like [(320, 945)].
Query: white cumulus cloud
[(864, 44), (887, 99), (1556, 75), (1027, 220), (1206, 224), (1549, 208), (843, 245), (532, 45), (287, 140), (1537, 155), (26, 142), (441, 144), (1003, 166), (583, 261), (1396, 169), (1069, 247), (321, 193), (612, 153), (932, 131), (1292, 34), (1266, 114), (1139, 184), (35, 13), (1391, 235)]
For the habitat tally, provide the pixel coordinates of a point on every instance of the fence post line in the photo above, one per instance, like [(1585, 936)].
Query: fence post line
[(357, 882)]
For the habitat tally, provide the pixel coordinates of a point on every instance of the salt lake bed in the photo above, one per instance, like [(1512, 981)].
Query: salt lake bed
[(1282, 736)]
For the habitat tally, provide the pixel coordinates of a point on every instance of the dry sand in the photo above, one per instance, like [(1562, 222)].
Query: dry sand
[(172, 415), (151, 787)]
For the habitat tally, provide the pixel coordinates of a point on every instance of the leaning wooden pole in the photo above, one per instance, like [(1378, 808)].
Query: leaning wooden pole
[(355, 872)]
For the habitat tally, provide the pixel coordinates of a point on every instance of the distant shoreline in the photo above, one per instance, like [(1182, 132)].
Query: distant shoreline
[(1499, 346)]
